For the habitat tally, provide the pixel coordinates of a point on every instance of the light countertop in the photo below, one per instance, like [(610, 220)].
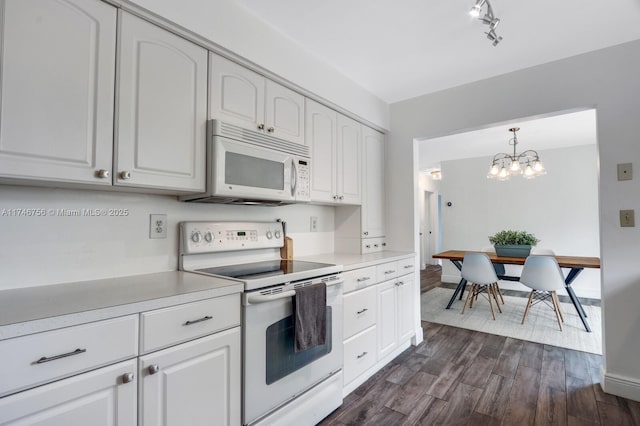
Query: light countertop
[(36, 309), (350, 261)]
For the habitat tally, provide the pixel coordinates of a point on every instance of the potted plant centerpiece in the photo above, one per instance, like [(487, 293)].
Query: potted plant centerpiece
[(510, 243)]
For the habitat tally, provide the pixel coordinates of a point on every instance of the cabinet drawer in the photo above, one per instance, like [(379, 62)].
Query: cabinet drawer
[(359, 354), (359, 278), (168, 326), (39, 358), (373, 245), (387, 271), (359, 311), (406, 266)]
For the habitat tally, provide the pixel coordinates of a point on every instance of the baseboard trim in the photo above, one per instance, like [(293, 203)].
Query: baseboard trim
[(620, 386)]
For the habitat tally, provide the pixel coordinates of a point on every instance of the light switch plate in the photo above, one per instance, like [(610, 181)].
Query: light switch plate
[(625, 171), (627, 218)]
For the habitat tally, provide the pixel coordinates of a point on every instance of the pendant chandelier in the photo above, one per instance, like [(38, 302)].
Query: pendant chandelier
[(527, 163)]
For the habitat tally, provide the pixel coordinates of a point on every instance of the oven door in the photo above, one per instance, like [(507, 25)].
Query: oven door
[(273, 372), (247, 171)]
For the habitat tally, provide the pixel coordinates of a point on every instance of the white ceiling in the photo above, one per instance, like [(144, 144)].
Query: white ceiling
[(405, 48), (578, 128)]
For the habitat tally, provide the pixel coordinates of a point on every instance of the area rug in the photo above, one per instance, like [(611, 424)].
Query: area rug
[(541, 325)]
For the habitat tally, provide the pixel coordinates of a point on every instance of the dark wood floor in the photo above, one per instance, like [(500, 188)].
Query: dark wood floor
[(464, 377)]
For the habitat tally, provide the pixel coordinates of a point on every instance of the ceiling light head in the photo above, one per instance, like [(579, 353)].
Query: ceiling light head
[(477, 8), (436, 175)]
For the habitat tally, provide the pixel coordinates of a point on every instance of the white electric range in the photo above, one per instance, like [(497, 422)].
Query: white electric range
[(280, 386)]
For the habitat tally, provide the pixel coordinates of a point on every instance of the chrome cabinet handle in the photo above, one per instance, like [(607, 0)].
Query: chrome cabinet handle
[(206, 318), (153, 369), (53, 358), (125, 175), (261, 126), (271, 130), (362, 311), (391, 271), (128, 377), (363, 278), (408, 266), (400, 283), (363, 354), (103, 174)]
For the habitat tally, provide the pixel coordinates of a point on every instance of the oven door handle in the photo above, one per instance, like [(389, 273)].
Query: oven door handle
[(265, 298)]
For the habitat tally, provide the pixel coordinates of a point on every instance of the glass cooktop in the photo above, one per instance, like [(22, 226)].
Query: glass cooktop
[(269, 268)]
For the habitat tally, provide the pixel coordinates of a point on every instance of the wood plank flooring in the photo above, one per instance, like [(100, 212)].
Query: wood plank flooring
[(464, 377)]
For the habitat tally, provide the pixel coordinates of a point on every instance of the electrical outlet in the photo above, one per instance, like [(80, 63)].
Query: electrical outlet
[(314, 224), (158, 226), (627, 218), (625, 171)]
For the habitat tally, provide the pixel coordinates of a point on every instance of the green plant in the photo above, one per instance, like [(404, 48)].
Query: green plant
[(513, 237)]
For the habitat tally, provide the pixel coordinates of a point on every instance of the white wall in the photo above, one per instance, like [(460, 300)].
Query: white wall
[(607, 80), (230, 26), (53, 249), (559, 208)]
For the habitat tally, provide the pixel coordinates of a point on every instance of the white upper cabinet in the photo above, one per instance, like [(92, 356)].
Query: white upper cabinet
[(57, 90), (373, 189), (162, 109), (245, 98), (349, 182), (321, 136), (336, 152)]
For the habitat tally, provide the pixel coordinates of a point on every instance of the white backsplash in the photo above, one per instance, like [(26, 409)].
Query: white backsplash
[(51, 249)]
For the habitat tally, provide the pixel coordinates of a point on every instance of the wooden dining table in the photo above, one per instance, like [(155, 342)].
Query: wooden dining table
[(575, 264)]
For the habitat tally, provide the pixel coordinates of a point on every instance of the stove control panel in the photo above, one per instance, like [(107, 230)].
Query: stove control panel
[(208, 237)]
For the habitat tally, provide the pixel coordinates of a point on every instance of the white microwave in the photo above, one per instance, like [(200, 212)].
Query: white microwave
[(248, 167)]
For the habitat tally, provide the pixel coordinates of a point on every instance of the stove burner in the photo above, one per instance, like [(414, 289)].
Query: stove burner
[(269, 268)]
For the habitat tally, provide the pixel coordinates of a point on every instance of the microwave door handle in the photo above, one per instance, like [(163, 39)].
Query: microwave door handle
[(294, 177)]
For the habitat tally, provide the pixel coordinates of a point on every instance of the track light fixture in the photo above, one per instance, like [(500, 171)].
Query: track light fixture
[(488, 19)]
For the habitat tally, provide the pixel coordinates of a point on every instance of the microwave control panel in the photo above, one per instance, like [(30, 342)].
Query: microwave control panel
[(303, 191)]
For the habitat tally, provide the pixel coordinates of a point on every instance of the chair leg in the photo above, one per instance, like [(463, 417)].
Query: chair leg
[(494, 290), (488, 290), (469, 293), (555, 294), (499, 292), (474, 295), (526, 310), (556, 308)]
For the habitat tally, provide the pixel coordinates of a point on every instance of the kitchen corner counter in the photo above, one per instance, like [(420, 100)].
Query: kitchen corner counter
[(36, 309), (351, 261)]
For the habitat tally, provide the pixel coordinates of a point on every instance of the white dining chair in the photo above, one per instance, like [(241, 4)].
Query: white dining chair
[(478, 270), (544, 277)]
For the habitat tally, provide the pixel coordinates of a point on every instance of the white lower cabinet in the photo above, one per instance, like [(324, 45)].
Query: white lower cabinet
[(378, 317), (194, 383), (102, 397)]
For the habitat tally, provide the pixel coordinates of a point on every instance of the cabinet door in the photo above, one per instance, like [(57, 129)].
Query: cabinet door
[(405, 307), (284, 113), (387, 318), (57, 86), (236, 94), (373, 194), (100, 397), (321, 133), (349, 156), (196, 383), (162, 109)]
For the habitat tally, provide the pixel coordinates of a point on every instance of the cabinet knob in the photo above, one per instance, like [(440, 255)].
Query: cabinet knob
[(375, 245), (335, 197), (153, 368), (261, 126), (103, 174), (271, 130), (366, 232), (384, 244), (341, 197), (125, 175), (128, 377)]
